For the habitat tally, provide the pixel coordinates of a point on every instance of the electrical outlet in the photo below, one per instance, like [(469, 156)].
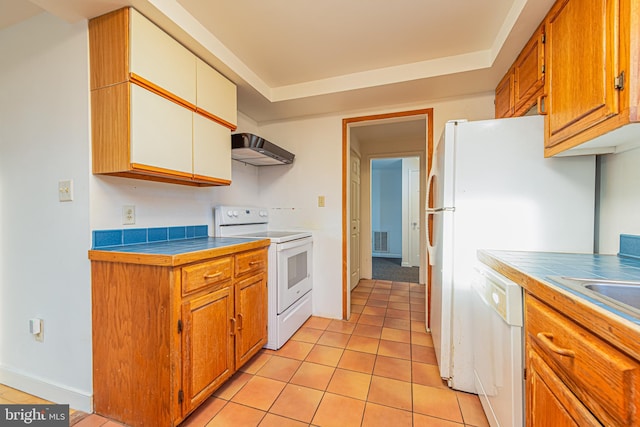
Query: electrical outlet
[(128, 215), (65, 190), (321, 201)]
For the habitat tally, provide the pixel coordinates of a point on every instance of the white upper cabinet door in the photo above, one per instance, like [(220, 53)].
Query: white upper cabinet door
[(157, 57), (216, 94), (211, 149), (161, 132)]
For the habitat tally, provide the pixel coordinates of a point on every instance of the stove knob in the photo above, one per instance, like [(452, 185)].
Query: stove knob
[(229, 213), (263, 213), (235, 213)]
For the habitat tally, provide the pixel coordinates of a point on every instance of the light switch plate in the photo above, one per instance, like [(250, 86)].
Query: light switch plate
[(65, 190)]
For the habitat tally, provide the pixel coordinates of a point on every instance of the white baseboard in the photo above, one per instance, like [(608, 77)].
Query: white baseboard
[(55, 393)]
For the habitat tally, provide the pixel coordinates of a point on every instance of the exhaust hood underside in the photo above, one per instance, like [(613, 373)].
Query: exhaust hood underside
[(257, 151)]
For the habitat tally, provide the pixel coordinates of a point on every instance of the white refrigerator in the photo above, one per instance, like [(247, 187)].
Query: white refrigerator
[(493, 189)]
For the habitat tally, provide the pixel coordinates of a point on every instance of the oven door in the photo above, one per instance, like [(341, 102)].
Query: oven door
[(294, 261)]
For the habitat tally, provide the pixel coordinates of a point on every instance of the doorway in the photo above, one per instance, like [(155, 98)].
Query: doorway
[(362, 135), (395, 218)]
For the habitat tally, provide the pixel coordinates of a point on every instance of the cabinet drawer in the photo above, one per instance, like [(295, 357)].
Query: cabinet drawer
[(603, 378), (204, 274), (250, 261)]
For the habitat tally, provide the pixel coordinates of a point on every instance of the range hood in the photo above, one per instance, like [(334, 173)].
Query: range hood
[(251, 149)]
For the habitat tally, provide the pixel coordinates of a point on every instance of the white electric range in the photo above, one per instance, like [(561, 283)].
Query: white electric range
[(289, 280)]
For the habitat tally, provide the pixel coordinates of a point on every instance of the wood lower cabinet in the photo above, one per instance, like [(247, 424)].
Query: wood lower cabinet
[(550, 400), (251, 308), (167, 331), (573, 376), (207, 344)]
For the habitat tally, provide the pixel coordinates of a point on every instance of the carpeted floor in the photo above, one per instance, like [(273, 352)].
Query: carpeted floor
[(390, 269)]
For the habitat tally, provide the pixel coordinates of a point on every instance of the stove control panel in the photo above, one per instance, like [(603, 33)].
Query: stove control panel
[(239, 215)]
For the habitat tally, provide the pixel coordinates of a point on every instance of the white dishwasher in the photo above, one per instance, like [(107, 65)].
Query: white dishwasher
[(498, 347)]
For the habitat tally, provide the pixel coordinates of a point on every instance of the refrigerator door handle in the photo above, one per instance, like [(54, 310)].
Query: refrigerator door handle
[(432, 174), (430, 211), (436, 210), (430, 249)]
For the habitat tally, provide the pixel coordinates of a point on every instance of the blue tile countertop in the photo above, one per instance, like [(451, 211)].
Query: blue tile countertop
[(165, 246), (532, 270), (178, 247)]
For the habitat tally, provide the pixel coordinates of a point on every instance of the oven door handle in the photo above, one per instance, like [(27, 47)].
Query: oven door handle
[(294, 244)]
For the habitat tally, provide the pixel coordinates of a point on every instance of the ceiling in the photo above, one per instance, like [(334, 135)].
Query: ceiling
[(293, 58)]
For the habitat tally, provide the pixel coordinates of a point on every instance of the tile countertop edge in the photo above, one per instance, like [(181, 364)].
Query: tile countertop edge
[(173, 260), (616, 330)]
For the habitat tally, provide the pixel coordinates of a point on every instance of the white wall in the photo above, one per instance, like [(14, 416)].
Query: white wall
[(619, 199), (44, 133), (161, 204), (386, 205), (292, 193)]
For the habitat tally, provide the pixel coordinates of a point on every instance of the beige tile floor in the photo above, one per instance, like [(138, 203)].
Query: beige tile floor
[(377, 369)]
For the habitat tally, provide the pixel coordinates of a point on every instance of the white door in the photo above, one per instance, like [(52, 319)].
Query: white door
[(414, 217), (355, 220)]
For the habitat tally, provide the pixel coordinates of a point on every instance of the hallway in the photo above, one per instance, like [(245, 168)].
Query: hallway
[(391, 269)]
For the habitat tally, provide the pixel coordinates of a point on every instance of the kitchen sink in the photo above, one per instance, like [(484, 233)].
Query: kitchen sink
[(622, 295)]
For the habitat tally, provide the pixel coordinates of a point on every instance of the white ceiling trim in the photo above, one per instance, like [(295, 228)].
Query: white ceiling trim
[(507, 26), (384, 76)]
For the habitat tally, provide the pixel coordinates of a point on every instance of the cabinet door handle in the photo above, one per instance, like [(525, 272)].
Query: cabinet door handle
[(542, 110), (233, 326), (546, 338), (240, 321), (255, 262), (212, 276)]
